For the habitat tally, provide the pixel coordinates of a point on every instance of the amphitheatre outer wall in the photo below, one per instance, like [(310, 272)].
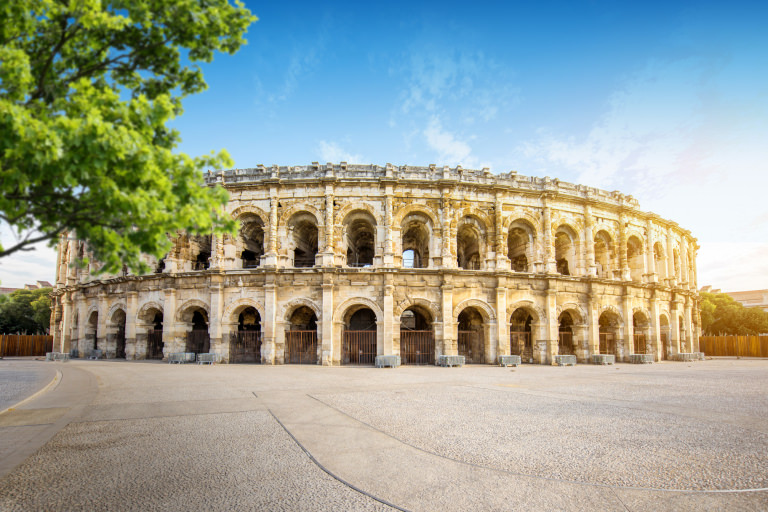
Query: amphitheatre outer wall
[(429, 261)]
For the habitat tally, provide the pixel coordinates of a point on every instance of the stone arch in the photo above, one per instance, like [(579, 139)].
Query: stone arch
[(522, 216), (489, 314), (293, 304), (299, 208), (115, 307), (575, 310), (248, 209), (236, 306), (612, 309), (566, 243), (94, 308), (433, 308), (358, 237), (403, 212), (347, 209), (475, 213), (341, 309), (146, 307), (538, 314), (181, 311), (642, 311)]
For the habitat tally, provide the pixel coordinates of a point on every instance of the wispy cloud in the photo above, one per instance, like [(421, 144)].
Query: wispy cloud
[(333, 152), (448, 147)]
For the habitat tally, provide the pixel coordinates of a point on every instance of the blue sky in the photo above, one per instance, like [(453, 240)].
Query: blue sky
[(665, 101)]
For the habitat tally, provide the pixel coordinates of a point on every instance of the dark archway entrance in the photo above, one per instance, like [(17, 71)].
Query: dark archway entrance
[(609, 326), (565, 335), (359, 345), (417, 337), (245, 344), (155, 338), (198, 339), (471, 342), (520, 335), (301, 337)]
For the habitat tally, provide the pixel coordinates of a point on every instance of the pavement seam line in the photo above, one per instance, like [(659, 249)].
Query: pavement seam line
[(331, 474), (550, 479), (52, 384)]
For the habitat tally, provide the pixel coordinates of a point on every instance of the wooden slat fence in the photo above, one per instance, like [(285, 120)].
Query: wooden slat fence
[(741, 346), (23, 345)]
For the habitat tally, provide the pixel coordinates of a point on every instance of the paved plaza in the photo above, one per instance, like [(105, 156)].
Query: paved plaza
[(115, 435)]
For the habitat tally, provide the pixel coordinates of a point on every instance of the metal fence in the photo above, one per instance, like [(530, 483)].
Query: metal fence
[(245, 347), (301, 347), (739, 346), (359, 347), (22, 345), (155, 344), (198, 341), (471, 346), (521, 344), (417, 347), (607, 343), (640, 347), (565, 343)]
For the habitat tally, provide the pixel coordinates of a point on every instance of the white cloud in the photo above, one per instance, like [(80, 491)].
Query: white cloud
[(333, 152), (449, 148), (26, 267), (733, 267)]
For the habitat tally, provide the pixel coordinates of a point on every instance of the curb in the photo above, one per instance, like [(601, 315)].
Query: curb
[(54, 382)]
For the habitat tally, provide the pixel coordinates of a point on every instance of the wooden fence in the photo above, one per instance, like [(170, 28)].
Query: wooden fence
[(19, 345), (741, 346)]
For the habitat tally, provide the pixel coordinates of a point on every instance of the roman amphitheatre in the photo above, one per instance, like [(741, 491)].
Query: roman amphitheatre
[(337, 264)]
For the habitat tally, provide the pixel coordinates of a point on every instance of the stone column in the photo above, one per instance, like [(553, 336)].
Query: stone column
[(131, 350), (270, 258), (389, 316), (502, 341), (389, 257), (623, 263), (327, 323), (671, 276), (655, 334), (109, 349), (674, 325), (650, 264), (66, 322), (449, 344), (684, 262), (629, 330), (169, 324), (593, 325), (446, 214), (550, 265), (502, 261), (589, 242), (552, 325), (214, 322), (327, 257), (688, 323), (271, 353)]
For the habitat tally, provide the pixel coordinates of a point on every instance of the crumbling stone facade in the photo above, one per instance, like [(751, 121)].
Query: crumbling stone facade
[(334, 264)]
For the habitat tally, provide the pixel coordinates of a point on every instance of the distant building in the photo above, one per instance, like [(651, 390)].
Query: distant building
[(752, 298), (36, 286)]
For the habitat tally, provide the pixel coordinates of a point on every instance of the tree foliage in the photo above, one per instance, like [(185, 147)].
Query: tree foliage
[(25, 312), (721, 314), (86, 90)]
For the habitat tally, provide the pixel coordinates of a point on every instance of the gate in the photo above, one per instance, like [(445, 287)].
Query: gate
[(359, 347), (301, 347), (245, 347), (520, 344), (565, 343), (640, 344), (417, 347), (471, 346), (155, 344), (607, 343), (198, 341), (664, 346)]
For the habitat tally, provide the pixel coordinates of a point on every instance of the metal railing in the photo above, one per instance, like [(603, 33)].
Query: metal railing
[(301, 347), (470, 345), (155, 344), (245, 347), (607, 343), (565, 343), (198, 341), (417, 347), (359, 347), (640, 345)]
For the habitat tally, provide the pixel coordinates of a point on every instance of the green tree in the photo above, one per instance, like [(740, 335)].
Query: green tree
[(721, 314), (26, 312), (86, 90)]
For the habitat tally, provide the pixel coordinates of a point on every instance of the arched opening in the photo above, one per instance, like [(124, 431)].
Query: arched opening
[(91, 331), (360, 239), (565, 343), (659, 261), (301, 337), (471, 342), (245, 343), (251, 242), (520, 334), (666, 348), (639, 326), (198, 339), (565, 252), (155, 336), (417, 337), (359, 345), (304, 236), (200, 248), (520, 247), (635, 258), (609, 329), (117, 333), (469, 244), (604, 255), (415, 243)]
